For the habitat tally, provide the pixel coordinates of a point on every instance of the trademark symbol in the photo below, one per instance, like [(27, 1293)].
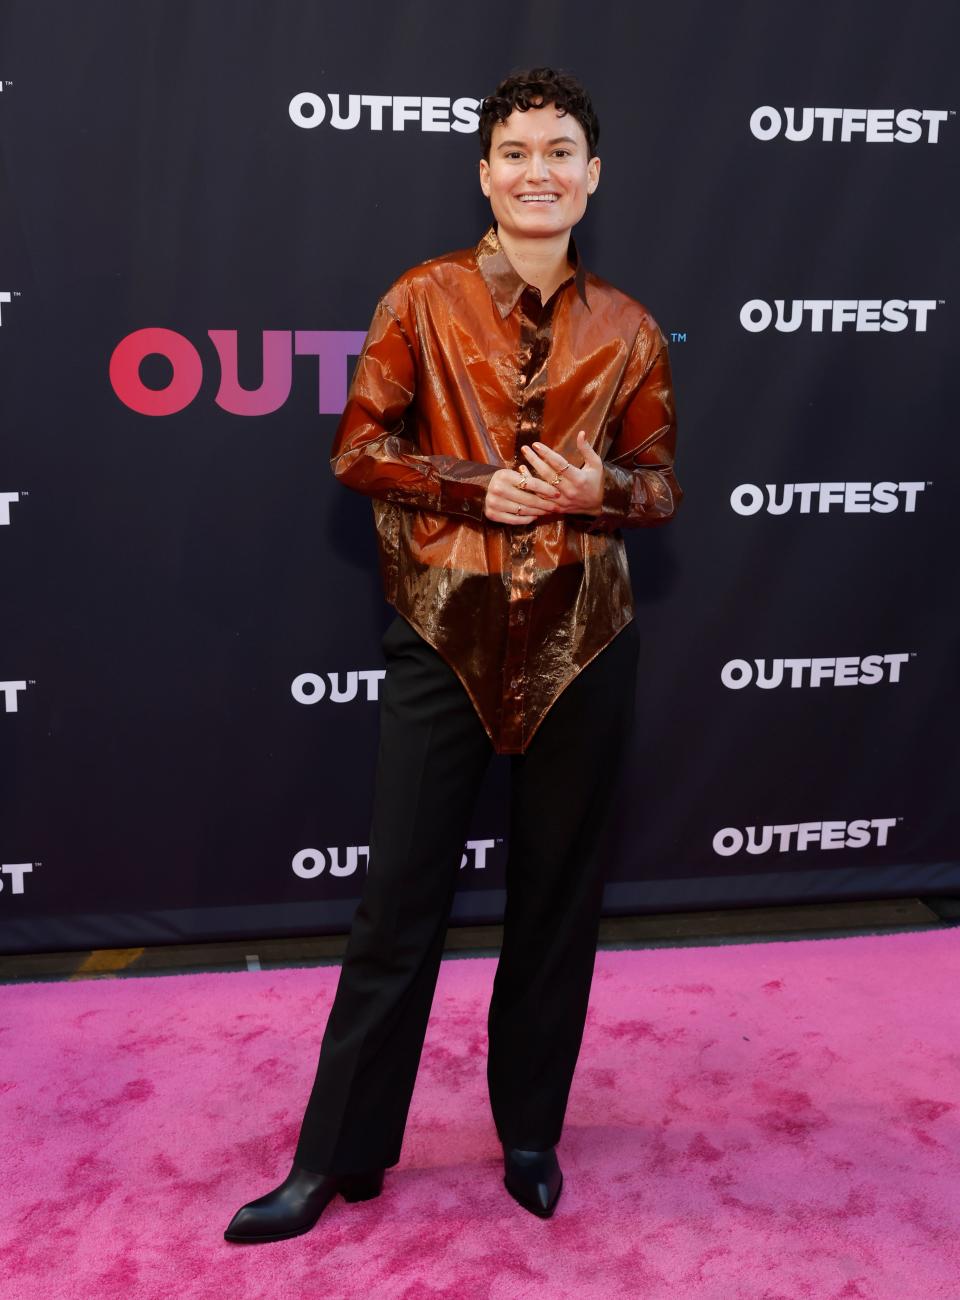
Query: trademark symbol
[(31, 681), (26, 493), (899, 819), (929, 482), (16, 293), (913, 654), (941, 302)]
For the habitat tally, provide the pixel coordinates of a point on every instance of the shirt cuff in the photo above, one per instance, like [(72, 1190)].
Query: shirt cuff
[(617, 498), (464, 490)]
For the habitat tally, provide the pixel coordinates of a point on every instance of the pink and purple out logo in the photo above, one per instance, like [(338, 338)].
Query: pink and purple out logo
[(330, 347)]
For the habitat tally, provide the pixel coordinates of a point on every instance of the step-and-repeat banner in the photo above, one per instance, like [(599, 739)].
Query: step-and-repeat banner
[(200, 204)]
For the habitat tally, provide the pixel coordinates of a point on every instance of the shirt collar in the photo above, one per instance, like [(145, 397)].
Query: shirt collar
[(505, 284)]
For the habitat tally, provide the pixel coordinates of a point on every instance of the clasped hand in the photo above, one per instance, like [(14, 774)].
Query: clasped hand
[(579, 489)]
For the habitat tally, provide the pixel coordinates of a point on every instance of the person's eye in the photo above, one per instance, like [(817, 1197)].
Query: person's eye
[(563, 151), (514, 153)]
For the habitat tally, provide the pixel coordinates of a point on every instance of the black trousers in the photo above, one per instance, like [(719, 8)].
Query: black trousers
[(432, 755)]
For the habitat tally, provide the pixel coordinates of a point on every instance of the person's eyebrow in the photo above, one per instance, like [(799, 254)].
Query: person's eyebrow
[(560, 139)]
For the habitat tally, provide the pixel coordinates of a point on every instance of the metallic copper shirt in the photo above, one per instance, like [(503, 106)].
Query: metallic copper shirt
[(463, 364)]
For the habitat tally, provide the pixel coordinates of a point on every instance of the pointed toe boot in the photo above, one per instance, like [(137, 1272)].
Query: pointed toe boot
[(296, 1205), (533, 1179)]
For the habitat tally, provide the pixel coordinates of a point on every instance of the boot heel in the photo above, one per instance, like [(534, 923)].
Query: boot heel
[(361, 1187)]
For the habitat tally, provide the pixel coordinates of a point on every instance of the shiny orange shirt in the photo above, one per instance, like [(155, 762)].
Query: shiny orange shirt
[(462, 365)]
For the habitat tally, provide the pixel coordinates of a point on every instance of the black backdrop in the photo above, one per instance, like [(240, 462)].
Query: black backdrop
[(190, 660)]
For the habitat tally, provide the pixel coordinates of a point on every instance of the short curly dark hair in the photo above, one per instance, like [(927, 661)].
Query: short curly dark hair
[(535, 88)]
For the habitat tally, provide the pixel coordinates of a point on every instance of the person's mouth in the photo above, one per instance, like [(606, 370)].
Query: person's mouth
[(546, 196)]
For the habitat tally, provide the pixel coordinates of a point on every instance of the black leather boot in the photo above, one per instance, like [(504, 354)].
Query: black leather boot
[(296, 1205), (533, 1179)]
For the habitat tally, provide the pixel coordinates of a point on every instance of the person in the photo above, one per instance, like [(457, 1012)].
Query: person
[(509, 415)]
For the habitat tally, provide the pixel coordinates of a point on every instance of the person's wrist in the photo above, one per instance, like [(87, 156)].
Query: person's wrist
[(597, 507)]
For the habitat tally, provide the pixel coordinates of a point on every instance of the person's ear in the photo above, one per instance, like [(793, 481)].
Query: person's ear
[(593, 174), (485, 176)]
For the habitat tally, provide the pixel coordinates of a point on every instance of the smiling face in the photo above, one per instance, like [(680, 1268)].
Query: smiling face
[(538, 176)]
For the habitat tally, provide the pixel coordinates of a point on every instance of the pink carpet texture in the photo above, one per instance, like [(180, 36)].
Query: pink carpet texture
[(750, 1122)]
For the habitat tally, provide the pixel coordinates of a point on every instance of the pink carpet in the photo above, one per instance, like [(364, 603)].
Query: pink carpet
[(765, 1122)]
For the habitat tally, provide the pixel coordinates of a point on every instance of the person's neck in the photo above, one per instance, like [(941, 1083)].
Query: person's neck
[(543, 261)]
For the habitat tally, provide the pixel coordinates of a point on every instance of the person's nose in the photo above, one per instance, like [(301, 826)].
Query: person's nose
[(537, 169)]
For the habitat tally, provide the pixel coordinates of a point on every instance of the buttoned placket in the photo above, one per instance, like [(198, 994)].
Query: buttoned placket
[(536, 334)]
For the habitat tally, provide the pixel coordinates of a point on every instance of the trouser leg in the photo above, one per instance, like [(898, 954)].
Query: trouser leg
[(562, 790), (431, 757)]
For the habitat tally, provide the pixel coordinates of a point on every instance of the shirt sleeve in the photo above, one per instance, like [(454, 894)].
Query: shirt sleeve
[(640, 489), (370, 453)]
